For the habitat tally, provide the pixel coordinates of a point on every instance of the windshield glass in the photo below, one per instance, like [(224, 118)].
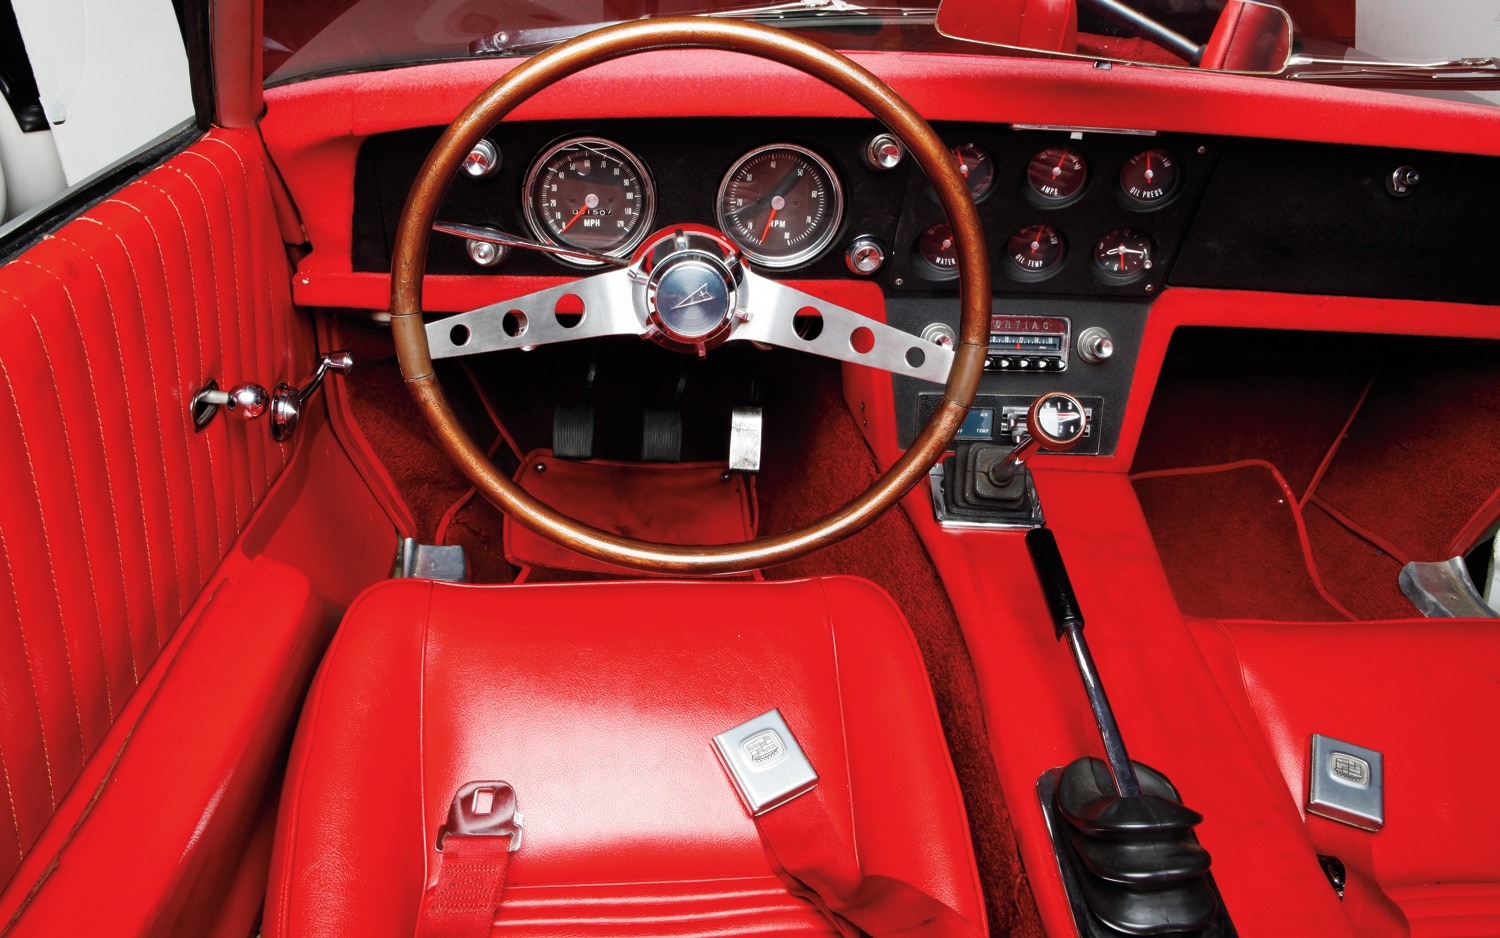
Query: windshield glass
[(313, 37)]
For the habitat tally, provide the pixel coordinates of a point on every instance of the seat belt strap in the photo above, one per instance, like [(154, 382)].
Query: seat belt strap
[(808, 849), (818, 863), (474, 848)]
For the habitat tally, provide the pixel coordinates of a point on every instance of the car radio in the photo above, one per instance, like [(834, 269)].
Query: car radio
[(1024, 344)]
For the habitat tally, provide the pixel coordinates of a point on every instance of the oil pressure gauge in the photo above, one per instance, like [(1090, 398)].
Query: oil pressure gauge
[(1149, 179)]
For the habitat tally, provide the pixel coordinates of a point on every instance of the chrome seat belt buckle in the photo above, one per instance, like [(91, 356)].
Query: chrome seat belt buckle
[(484, 809), (765, 762), (1346, 783)]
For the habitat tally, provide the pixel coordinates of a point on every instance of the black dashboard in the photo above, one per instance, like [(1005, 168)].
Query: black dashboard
[(1083, 227), (1240, 214)]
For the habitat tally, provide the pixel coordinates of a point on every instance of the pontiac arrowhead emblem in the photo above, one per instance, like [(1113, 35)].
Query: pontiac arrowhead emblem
[(699, 295)]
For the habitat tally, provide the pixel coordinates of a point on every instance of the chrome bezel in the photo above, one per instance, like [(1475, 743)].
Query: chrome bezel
[(818, 244), (540, 230)]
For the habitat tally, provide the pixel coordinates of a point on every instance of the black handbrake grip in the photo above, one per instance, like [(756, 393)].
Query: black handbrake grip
[(1053, 578)]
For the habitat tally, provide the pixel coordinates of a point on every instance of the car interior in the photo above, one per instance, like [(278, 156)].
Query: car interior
[(677, 469)]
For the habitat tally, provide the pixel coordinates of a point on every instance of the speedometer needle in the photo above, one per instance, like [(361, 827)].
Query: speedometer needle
[(572, 221)]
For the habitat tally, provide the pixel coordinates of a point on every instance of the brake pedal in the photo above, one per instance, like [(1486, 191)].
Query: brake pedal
[(573, 432), (661, 436)]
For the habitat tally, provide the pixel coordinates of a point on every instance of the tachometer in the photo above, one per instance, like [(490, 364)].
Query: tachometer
[(781, 204), (588, 192)]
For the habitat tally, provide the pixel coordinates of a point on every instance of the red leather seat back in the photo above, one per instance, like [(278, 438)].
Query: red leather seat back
[(599, 703), (1421, 692), (116, 512)]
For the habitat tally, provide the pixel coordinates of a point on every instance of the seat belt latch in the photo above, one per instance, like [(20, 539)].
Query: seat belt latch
[(483, 809), (764, 761)]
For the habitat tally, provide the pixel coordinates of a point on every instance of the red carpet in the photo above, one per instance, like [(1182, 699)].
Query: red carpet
[(669, 504), (1386, 462), (1232, 542)]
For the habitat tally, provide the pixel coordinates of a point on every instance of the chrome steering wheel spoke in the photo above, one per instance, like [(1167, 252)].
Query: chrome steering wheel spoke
[(835, 332), (587, 308)]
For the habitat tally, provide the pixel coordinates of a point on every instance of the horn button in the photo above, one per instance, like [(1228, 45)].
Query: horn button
[(691, 288)]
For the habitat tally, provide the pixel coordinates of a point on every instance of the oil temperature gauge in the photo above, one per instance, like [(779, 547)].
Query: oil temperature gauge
[(1035, 252), (1122, 256)]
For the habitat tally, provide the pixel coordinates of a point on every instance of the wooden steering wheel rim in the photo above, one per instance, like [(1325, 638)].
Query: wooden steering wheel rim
[(922, 142)]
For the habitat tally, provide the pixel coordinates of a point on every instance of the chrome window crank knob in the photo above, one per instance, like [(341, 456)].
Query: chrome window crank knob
[(287, 401)]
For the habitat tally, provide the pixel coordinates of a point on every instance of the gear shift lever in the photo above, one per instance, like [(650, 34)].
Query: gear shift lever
[(1055, 421), (988, 483)]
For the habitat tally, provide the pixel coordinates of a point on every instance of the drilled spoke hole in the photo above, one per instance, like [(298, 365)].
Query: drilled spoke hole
[(915, 357), (862, 340), (807, 323), (569, 310), (459, 336), (514, 323)]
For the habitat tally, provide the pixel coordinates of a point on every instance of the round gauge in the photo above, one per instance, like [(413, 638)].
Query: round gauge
[(1056, 176), (1036, 252), (781, 204), (587, 192), (1149, 178), (978, 169), (938, 251), (1122, 255)]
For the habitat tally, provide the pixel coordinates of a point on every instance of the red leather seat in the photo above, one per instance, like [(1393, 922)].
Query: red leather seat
[(598, 703)]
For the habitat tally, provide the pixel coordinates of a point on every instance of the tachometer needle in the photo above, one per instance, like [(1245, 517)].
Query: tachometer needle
[(777, 204)]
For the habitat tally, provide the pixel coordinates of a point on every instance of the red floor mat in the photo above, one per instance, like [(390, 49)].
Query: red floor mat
[(1232, 543), (688, 503), (1419, 460), (1359, 575)]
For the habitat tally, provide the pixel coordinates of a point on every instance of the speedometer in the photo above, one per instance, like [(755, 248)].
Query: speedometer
[(781, 204), (588, 192)]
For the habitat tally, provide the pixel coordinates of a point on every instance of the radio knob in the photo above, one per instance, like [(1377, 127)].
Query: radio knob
[(1095, 345)]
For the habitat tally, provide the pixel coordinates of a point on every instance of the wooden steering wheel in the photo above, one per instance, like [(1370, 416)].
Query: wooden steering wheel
[(746, 306)]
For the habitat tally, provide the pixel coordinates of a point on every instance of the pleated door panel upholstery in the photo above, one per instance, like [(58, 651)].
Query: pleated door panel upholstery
[(114, 511)]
